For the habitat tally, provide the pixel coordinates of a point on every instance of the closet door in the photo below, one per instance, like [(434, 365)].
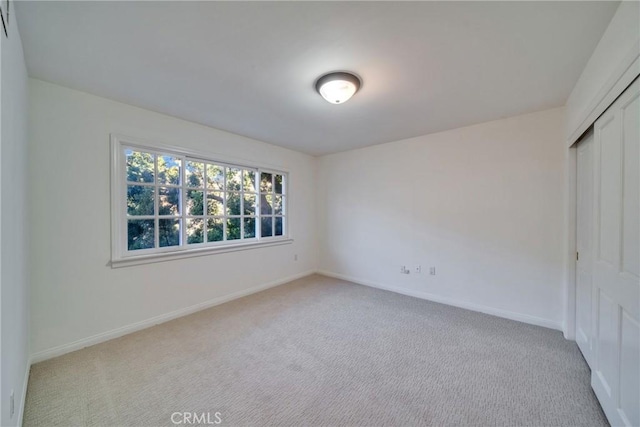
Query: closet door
[(584, 232), (616, 268)]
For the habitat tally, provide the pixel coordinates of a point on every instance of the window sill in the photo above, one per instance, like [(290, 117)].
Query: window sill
[(190, 253)]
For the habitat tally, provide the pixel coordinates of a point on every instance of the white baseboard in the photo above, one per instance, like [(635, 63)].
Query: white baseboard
[(23, 399), (525, 318), (115, 333)]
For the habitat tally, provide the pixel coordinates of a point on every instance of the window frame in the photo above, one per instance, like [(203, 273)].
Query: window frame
[(120, 253)]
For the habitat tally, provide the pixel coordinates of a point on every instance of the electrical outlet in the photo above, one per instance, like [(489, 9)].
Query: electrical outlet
[(432, 271), (12, 407), (418, 269)]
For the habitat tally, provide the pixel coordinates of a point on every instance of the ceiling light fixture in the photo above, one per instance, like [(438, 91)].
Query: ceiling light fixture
[(338, 87)]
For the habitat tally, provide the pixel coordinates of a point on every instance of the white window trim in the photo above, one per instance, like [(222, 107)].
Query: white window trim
[(121, 257)]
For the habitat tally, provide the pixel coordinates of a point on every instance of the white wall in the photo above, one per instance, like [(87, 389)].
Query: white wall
[(14, 288), (75, 294), (483, 204), (619, 40)]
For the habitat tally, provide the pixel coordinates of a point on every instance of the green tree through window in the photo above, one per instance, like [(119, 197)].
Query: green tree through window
[(176, 201)]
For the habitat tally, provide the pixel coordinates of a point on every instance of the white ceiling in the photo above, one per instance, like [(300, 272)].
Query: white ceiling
[(250, 67)]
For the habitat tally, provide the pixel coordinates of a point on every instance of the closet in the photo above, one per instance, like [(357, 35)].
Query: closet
[(608, 256)]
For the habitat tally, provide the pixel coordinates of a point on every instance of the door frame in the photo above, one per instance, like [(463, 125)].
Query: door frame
[(570, 247)]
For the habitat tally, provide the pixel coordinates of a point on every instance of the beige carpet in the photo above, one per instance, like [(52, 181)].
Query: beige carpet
[(320, 351)]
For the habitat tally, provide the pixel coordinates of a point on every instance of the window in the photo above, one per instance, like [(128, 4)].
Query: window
[(168, 201)]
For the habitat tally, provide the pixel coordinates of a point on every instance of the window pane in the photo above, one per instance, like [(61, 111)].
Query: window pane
[(249, 206), (140, 200), (233, 228), (140, 233), (215, 229), (169, 201), (266, 224), (278, 183), (195, 230), (195, 202), (266, 201), (194, 174), (139, 166), (277, 204), (215, 204), (234, 177), (249, 227), (169, 232), (265, 183), (249, 180), (233, 203), (215, 177), (169, 170)]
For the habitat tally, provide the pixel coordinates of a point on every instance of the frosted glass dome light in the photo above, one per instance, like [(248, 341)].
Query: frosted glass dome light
[(337, 88)]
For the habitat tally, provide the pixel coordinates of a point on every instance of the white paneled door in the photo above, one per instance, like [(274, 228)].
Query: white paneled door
[(584, 264), (615, 353)]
